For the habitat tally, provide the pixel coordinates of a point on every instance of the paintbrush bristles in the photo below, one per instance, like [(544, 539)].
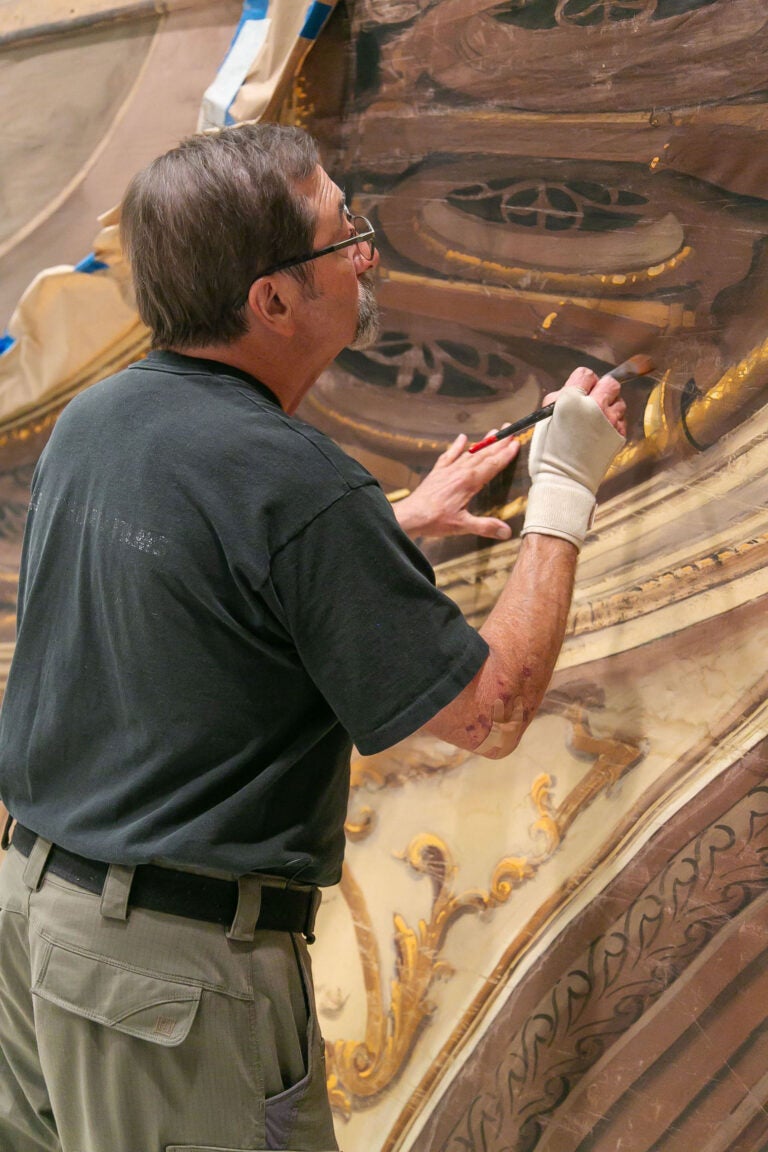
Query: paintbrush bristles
[(639, 365)]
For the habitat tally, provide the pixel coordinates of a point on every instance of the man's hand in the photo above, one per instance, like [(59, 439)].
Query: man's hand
[(570, 453), (438, 507), (605, 391)]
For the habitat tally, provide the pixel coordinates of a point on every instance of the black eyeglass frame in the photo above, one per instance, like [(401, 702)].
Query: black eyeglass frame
[(358, 238)]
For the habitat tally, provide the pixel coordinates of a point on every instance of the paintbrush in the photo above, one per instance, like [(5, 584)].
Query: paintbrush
[(636, 366)]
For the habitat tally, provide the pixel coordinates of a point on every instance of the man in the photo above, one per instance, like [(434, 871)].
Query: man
[(214, 602)]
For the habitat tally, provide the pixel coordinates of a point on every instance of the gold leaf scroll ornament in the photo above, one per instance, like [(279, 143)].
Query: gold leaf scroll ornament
[(360, 1071)]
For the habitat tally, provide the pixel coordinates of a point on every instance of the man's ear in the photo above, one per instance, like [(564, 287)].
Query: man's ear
[(272, 304)]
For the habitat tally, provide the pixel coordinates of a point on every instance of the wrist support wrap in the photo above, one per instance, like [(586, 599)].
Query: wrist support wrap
[(570, 453)]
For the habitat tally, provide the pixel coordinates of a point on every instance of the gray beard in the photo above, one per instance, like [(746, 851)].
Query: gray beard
[(367, 331)]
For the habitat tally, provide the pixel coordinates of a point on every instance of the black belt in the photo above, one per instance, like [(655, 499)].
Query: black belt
[(283, 909)]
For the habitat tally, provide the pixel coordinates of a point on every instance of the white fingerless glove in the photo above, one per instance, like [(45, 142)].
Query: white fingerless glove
[(570, 453)]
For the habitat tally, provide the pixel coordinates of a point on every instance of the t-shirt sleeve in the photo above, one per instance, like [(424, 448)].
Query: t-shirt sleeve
[(382, 644)]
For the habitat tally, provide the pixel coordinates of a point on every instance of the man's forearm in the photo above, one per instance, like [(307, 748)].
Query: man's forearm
[(524, 632)]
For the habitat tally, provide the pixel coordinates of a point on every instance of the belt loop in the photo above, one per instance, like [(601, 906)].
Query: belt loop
[(5, 839), (116, 891), (36, 864), (246, 918), (316, 899)]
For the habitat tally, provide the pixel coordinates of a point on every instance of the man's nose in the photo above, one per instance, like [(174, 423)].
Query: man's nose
[(364, 263)]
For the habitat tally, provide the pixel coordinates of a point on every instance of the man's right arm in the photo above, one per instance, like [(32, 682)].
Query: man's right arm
[(526, 628), (524, 633)]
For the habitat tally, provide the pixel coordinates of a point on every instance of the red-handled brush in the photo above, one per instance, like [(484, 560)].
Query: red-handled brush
[(636, 366)]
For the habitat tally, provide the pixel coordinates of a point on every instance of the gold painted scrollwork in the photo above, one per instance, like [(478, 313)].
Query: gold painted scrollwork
[(391, 769), (359, 1070)]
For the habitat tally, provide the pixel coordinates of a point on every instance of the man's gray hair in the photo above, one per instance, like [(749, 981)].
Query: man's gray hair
[(200, 223)]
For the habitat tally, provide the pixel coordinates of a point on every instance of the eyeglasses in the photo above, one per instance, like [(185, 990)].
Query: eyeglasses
[(363, 237)]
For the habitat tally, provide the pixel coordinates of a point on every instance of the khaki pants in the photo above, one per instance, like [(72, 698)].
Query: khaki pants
[(153, 1033)]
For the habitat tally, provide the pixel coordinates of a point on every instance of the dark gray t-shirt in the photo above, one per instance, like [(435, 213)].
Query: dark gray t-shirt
[(215, 600)]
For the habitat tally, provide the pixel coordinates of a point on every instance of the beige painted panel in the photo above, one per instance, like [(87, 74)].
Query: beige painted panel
[(28, 18), (161, 108), (59, 102)]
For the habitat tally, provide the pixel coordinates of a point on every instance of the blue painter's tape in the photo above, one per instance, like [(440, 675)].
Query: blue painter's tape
[(316, 17), (6, 342), (90, 264), (252, 10)]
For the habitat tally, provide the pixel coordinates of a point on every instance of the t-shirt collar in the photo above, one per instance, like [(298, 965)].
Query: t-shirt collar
[(177, 361)]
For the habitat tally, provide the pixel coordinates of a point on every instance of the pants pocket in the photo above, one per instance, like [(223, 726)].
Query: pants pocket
[(300, 1116), (136, 1059), (146, 1006)]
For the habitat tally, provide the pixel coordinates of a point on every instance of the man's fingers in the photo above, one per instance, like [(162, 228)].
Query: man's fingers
[(493, 431), (483, 465), (606, 389), (617, 414), (493, 459), (607, 394), (584, 379), (502, 451), (487, 526), (454, 450)]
